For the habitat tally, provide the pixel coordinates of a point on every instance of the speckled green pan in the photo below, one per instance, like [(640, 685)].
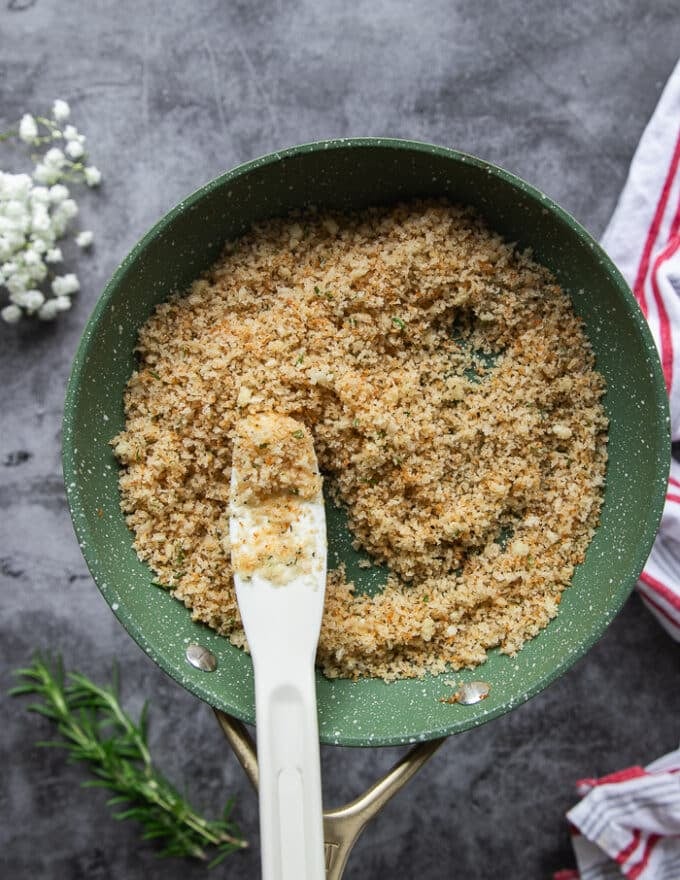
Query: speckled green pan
[(353, 174)]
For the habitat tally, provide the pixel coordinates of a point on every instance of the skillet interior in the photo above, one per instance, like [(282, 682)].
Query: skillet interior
[(353, 174)]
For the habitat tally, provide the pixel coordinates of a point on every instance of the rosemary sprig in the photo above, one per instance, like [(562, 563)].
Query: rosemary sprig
[(94, 729)]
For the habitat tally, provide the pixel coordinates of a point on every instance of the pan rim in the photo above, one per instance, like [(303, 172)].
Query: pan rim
[(660, 440)]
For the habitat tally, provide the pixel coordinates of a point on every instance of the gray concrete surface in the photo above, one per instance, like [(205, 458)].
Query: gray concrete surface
[(169, 94)]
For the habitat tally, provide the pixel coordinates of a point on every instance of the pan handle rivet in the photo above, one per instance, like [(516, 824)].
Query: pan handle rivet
[(472, 692), (201, 658)]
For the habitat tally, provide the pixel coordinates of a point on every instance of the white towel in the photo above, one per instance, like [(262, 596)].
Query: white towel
[(643, 239), (628, 823)]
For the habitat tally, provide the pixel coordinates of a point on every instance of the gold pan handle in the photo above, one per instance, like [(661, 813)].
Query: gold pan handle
[(343, 825)]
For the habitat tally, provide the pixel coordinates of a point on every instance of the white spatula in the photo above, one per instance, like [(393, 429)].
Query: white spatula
[(280, 589)]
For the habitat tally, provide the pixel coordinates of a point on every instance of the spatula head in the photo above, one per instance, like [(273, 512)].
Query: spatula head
[(277, 531)]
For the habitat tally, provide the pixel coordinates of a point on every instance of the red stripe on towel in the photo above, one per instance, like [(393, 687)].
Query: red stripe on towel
[(630, 848), (674, 622), (665, 336), (637, 869), (660, 588), (652, 235), (619, 776)]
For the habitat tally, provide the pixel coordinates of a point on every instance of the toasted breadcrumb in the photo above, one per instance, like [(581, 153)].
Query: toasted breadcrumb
[(274, 457), (455, 409), (274, 478)]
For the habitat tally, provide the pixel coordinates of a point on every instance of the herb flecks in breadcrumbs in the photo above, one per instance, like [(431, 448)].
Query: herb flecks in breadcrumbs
[(456, 413)]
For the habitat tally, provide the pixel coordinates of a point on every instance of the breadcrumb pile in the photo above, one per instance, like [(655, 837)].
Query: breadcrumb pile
[(456, 414)]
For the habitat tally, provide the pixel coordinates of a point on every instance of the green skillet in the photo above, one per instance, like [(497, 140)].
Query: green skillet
[(353, 174)]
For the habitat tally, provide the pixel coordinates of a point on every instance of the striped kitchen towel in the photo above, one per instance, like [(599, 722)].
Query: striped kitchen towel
[(643, 239), (628, 824)]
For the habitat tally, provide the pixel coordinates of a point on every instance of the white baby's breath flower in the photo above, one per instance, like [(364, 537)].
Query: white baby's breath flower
[(71, 133), (54, 158), (62, 215), (11, 314), (59, 226), (17, 283), (68, 208), (31, 257), (39, 244), (84, 239), (31, 300), (13, 209), (34, 299), (40, 221), (40, 194), (60, 110), (15, 186), (74, 150), (28, 129), (48, 311), (15, 228), (47, 174), (15, 238), (63, 285), (36, 211), (9, 208), (58, 193), (36, 271), (93, 175), (62, 303)]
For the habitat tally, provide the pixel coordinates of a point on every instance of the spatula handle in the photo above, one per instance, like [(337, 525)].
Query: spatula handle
[(291, 824)]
